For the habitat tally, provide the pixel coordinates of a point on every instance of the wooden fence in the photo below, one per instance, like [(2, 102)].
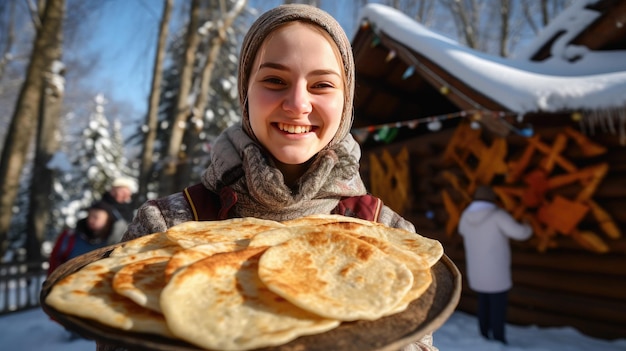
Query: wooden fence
[(20, 284)]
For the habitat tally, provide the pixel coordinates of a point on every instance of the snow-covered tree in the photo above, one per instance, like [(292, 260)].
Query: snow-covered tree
[(97, 161)]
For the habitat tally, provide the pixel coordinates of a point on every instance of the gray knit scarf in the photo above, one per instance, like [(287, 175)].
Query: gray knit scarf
[(239, 162)]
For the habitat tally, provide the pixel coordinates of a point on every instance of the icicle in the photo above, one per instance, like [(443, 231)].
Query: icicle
[(610, 120), (591, 124), (581, 125), (600, 120), (622, 127)]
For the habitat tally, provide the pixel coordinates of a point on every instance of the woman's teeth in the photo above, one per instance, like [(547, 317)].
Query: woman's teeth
[(293, 129)]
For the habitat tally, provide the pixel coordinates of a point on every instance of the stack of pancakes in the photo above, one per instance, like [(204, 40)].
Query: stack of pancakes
[(247, 283)]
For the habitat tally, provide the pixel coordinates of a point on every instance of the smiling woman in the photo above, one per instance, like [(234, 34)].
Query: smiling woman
[(292, 156)]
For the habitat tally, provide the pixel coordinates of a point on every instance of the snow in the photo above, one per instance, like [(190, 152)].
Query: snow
[(33, 330), (55, 77), (596, 80)]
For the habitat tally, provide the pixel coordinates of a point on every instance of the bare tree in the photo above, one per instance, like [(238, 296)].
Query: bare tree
[(15, 30), (424, 12), (153, 106), (546, 9), (466, 15), (7, 35), (219, 38), (420, 10), (46, 144), (496, 26), (168, 174), (23, 122), (505, 14)]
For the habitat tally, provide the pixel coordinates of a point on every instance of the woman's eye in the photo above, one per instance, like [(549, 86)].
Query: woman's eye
[(272, 80), (324, 85)]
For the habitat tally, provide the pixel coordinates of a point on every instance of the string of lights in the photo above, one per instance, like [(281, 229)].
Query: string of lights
[(387, 132)]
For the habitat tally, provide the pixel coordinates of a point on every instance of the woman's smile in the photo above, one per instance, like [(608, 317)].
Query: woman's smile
[(294, 129)]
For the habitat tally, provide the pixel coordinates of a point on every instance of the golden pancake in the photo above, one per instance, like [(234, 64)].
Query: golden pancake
[(190, 234), (186, 257), (417, 264), (429, 249), (219, 303), (142, 281), (335, 275), (318, 219), (156, 241), (89, 293)]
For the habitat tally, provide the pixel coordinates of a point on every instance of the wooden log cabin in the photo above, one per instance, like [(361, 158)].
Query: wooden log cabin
[(547, 129)]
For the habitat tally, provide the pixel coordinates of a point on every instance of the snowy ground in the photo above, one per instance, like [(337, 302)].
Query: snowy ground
[(33, 330)]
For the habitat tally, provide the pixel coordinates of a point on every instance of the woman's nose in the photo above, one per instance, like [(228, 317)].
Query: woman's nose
[(298, 100)]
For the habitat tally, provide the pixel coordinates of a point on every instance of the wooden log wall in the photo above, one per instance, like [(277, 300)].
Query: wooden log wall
[(566, 284)]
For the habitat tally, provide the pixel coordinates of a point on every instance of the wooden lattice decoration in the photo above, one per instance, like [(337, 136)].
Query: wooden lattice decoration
[(532, 184), (389, 178)]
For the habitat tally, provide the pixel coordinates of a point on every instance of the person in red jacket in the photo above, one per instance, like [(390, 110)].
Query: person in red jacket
[(96, 230)]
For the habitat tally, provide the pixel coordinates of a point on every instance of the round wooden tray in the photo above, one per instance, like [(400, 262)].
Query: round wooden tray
[(390, 333)]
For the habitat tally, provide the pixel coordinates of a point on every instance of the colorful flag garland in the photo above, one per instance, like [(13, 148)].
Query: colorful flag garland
[(387, 132)]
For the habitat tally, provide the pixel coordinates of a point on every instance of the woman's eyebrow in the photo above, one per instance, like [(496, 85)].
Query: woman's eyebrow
[(323, 72), (317, 72), (274, 65)]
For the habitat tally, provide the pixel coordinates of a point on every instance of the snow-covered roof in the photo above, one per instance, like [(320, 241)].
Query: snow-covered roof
[(595, 81)]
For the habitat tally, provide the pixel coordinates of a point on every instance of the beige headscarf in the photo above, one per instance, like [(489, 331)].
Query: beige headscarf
[(273, 19)]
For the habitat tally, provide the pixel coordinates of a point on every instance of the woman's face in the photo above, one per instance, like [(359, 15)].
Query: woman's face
[(97, 219), (296, 93)]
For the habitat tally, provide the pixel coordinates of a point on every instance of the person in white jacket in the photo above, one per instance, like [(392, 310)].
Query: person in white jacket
[(486, 230)]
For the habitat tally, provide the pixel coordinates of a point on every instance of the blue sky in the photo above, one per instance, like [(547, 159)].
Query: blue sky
[(124, 38)]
